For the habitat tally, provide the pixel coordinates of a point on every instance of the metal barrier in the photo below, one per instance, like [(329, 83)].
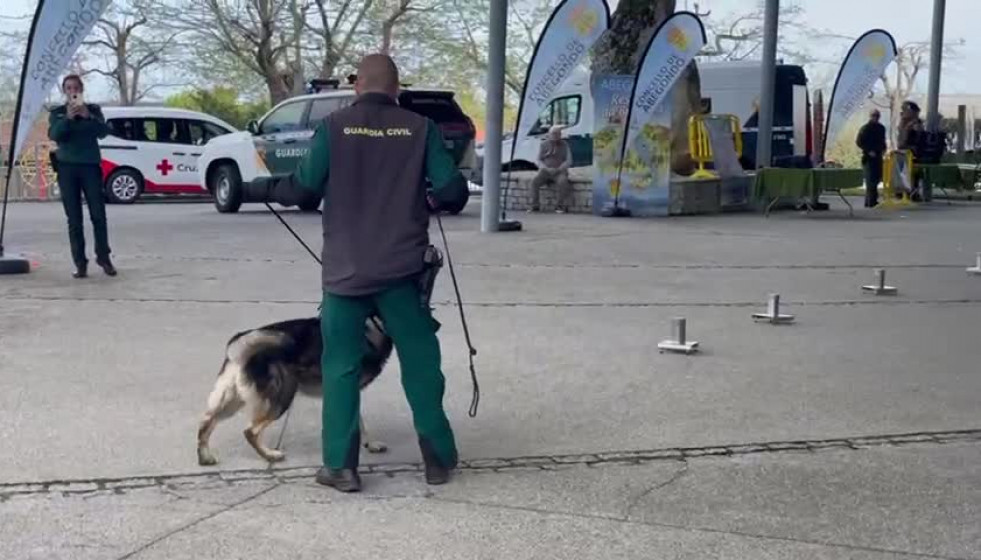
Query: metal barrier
[(898, 166), (700, 144), (33, 179)]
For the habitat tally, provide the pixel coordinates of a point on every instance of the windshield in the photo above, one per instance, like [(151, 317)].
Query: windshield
[(437, 107)]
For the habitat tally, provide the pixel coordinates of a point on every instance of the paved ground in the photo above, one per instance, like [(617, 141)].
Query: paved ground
[(855, 433)]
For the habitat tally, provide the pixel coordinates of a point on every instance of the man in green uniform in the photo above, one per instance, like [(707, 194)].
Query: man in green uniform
[(371, 162)]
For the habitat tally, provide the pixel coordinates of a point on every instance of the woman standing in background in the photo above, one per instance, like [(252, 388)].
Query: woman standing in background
[(76, 127)]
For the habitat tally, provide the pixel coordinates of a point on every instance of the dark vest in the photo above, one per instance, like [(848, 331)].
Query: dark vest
[(376, 221)]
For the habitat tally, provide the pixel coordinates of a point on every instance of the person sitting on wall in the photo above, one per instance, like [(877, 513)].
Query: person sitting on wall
[(554, 160)]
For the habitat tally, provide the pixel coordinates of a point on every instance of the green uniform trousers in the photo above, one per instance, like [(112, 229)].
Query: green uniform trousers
[(413, 332), (74, 180)]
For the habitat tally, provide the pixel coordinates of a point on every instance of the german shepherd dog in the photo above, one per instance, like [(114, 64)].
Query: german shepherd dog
[(265, 367)]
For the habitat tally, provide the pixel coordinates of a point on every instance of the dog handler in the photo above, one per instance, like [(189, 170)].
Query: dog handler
[(370, 162)]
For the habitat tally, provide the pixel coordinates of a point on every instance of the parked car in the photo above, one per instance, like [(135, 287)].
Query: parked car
[(274, 145), (154, 150)]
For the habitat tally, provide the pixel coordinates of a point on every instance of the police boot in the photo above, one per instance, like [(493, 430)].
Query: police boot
[(342, 480), (437, 472)]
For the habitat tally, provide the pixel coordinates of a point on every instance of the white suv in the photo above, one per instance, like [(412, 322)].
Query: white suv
[(274, 144), (154, 150)]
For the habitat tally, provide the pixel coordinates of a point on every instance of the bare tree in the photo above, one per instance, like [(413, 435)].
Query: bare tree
[(130, 40), (619, 51), (334, 31), (460, 39), (246, 33), (740, 36), (899, 81)]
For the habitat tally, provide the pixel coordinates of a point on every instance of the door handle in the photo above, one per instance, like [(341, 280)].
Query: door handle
[(196, 155), (179, 154), (290, 141)]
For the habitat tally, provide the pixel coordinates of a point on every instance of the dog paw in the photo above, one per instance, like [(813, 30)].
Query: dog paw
[(274, 456), (206, 458), (375, 447)]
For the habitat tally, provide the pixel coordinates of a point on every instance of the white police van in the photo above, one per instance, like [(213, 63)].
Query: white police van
[(274, 145), (726, 87), (154, 150)]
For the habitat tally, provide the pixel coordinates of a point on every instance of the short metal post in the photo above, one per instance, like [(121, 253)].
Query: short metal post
[(680, 329), (976, 269), (772, 314), (680, 343), (880, 288)]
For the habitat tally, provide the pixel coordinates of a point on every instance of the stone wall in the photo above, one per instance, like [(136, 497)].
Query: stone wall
[(519, 192), (687, 196)]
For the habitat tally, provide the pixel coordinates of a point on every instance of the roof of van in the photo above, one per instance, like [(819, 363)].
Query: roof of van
[(116, 111), (346, 90), (143, 110), (737, 64)]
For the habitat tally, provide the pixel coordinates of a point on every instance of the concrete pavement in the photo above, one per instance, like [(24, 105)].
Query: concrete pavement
[(588, 443)]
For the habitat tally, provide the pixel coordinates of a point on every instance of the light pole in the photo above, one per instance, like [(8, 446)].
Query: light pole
[(936, 60), (764, 135), (493, 129)]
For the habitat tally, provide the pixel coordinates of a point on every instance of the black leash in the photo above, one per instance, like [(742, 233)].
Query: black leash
[(286, 420), (459, 300), (463, 320), (295, 235)]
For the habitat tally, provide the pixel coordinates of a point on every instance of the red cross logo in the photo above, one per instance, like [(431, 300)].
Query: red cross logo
[(164, 167)]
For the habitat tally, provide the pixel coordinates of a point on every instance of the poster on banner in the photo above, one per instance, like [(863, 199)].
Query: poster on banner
[(645, 172), (670, 50), (863, 65), (569, 34), (58, 28)]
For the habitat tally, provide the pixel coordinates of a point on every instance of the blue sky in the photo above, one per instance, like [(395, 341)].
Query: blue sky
[(907, 20)]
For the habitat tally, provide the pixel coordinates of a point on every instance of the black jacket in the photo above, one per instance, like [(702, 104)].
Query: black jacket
[(374, 163), (872, 141)]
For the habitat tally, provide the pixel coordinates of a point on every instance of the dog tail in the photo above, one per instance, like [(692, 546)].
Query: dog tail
[(243, 346)]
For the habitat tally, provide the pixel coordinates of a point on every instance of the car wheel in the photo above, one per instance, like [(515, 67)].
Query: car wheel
[(124, 186), (226, 188), (310, 204)]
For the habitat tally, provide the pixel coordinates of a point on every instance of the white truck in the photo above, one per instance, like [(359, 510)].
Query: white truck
[(727, 87)]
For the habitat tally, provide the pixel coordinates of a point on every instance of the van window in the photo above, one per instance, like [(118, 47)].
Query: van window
[(287, 118), (564, 111), (160, 130), (438, 107), (202, 131), (122, 128), (320, 108)]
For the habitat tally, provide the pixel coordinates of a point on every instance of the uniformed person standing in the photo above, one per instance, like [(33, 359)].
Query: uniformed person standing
[(371, 162)]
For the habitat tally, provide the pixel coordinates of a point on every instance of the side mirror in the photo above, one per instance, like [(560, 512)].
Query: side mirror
[(253, 126)]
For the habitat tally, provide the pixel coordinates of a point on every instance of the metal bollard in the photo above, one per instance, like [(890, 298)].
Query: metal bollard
[(773, 315), (976, 269), (880, 288), (680, 343)]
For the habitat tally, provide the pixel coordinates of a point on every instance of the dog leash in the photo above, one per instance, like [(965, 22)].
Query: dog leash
[(295, 235), (475, 400)]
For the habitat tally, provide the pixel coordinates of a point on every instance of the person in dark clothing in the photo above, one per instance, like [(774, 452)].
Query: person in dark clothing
[(76, 128), (371, 162), (872, 141)]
